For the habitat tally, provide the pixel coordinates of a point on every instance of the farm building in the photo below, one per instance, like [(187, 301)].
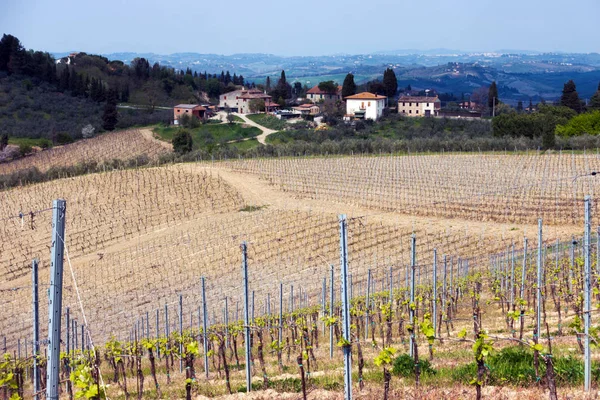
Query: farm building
[(418, 106), (193, 110), (308, 109), (316, 95), (365, 105), (239, 100)]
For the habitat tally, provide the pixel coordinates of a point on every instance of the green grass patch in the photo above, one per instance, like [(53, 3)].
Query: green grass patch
[(514, 366), (208, 135), (268, 121), (245, 144), (41, 142)]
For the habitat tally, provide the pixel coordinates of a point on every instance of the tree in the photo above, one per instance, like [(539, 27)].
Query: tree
[(298, 89), (520, 106), (182, 142), (3, 141), (87, 131), (110, 116), (595, 100), (12, 54), (349, 87), (586, 123), (390, 82), (493, 95), (257, 105), (328, 87), (282, 90), (268, 84), (570, 98)]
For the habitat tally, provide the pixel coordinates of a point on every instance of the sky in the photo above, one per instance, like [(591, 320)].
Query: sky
[(308, 27)]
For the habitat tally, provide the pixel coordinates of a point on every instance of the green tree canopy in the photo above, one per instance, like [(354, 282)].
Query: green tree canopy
[(328, 87), (349, 87), (570, 98), (390, 82), (586, 123)]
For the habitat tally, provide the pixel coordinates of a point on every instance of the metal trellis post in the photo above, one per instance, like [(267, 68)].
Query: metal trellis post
[(413, 261), (205, 327), (587, 307), (36, 329), (246, 316), (539, 281), (55, 300), (347, 348)]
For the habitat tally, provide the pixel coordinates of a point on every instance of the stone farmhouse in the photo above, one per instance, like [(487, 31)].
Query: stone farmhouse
[(418, 106)]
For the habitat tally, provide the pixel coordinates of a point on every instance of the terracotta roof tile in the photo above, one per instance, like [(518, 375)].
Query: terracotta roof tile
[(316, 90), (365, 96), (418, 99)]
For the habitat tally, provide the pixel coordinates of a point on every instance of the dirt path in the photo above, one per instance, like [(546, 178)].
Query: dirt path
[(265, 131), (148, 134)]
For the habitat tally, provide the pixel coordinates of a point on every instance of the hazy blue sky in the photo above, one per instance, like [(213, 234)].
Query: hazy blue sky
[(307, 27)]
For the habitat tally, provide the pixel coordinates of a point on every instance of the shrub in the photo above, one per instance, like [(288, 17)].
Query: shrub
[(404, 366), (25, 149), (182, 142), (588, 123)]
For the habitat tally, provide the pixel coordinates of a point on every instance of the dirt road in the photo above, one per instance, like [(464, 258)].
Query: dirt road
[(265, 131)]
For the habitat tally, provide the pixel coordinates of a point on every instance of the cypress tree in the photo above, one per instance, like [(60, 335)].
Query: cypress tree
[(268, 84), (569, 97), (390, 82), (520, 106), (349, 87), (110, 116), (3, 141), (64, 79), (595, 100), (493, 95)]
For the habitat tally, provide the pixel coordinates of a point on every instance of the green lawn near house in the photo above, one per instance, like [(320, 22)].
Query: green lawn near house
[(210, 134)]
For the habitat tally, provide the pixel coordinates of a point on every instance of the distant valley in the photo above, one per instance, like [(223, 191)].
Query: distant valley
[(520, 76)]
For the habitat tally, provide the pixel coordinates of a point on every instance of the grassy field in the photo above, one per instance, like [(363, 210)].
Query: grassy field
[(211, 134), (42, 142), (268, 121), (245, 144)]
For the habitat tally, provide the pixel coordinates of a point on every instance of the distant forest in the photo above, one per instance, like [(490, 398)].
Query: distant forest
[(41, 97)]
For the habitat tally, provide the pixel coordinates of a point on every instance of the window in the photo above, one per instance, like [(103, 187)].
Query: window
[(427, 104), (417, 112), (362, 105), (403, 111), (410, 111), (403, 103), (224, 97), (410, 104), (369, 104)]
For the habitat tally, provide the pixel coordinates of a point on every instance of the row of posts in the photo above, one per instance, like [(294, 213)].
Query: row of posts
[(55, 302)]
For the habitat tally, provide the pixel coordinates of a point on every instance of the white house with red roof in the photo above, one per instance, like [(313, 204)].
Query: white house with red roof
[(365, 105), (317, 95)]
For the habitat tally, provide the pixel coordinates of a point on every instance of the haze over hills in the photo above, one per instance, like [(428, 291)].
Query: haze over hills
[(520, 74)]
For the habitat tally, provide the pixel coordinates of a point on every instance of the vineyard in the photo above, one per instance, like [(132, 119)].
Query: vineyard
[(122, 145), (499, 188), (155, 295)]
